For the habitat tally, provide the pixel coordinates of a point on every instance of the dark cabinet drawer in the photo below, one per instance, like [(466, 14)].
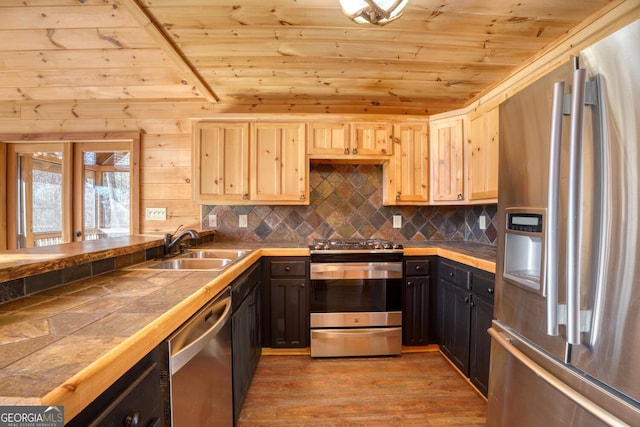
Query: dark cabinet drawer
[(483, 285), (417, 267), (288, 268), (453, 274)]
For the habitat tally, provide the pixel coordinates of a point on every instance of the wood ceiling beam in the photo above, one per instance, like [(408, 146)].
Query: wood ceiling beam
[(155, 30)]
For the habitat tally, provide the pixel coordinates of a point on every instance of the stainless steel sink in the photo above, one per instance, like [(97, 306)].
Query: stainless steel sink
[(192, 264), (214, 253)]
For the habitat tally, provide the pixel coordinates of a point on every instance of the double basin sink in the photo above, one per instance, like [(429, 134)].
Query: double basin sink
[(197, 260)]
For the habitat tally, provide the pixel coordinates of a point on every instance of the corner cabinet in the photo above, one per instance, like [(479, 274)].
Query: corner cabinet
[(221, 162), (406, 178), (446, 137), (278, 167), (482, 145)]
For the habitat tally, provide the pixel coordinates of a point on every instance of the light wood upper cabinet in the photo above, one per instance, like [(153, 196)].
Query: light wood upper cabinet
[(371, 139), (328, 138), (221, 163), (354, 140), (406, 178), (278, 166), (483, 155), (447, 160)]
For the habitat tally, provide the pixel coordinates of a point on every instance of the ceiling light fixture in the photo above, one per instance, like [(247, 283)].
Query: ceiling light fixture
[(377, 12)]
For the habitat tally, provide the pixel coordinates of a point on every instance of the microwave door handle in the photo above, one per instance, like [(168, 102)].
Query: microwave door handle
[(573, 210), (550, 288)]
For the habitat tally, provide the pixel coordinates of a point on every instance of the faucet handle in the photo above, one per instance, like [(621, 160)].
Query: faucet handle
[(179, 227)]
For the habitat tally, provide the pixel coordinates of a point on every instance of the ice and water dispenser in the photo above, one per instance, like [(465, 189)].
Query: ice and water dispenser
[(524, 244)]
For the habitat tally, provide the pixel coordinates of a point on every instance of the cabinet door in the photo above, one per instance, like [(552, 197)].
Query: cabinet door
[(371, 138), (278, 163), (483, 162), (454, 329), (408, 180), (289, 313), (221, 162), (481, 317), (328, 139), (416, 310), (446, 140)]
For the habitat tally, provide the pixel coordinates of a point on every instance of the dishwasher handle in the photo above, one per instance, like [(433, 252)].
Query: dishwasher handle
[(182, 357)]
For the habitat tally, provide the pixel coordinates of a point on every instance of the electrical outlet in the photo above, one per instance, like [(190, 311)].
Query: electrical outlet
[(155, 214), (213, 221), (397, 221), (242, 221), (482, 221)]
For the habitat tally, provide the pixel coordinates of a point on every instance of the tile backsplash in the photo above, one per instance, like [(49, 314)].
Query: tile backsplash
[(346, 201)]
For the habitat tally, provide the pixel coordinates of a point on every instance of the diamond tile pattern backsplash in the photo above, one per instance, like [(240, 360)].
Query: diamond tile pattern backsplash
[(346, 201)]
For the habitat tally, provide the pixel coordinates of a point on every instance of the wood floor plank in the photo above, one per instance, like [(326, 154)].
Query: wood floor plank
[(416, 389)]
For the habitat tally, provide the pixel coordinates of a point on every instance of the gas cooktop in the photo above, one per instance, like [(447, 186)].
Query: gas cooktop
[(354, 245)]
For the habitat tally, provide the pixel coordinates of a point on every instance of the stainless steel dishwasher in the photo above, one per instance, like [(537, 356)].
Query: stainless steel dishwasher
[(200, 366)]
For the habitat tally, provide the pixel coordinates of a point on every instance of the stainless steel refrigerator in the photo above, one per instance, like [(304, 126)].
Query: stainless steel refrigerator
[(566, 340)]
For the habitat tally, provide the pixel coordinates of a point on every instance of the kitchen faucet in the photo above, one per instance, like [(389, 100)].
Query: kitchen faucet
[(169, 244)]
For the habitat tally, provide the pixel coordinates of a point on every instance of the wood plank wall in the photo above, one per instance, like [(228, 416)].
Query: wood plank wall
[(166, 133)]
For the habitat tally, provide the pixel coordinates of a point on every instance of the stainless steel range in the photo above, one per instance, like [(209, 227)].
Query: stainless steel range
[(356, 298)]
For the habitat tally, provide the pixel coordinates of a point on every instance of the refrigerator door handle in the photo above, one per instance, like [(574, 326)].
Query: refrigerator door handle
[(504, 340), (573, 210), (551, 242)]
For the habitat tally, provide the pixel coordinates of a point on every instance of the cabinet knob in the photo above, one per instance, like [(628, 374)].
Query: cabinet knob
[(301, 285), (451, 274), (287, 268), (459, 196), (397, 196), (302, 196), (466, 300), (490, 290), (354, 150), (132, 420), (245, 196), (473, 304), (409, 283), (346, 151), (418, 267)]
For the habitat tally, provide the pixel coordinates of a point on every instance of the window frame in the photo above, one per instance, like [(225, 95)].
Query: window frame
[(73, 145)]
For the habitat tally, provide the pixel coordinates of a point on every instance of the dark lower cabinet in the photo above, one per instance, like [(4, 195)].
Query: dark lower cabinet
[(245, 333), (134, 400), (480, 345), (455, 324), (288, 299), (418, 302), (465, 312)]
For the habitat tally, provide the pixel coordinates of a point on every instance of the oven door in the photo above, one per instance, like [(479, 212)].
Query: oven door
[(356, 287)]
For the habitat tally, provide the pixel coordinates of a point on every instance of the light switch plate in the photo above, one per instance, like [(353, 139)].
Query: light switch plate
[(397, 221), (242, 221), (482, 221), (213, 221), (155, 214)]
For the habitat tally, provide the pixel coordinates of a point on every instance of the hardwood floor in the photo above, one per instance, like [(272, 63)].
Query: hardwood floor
[(415, 389)]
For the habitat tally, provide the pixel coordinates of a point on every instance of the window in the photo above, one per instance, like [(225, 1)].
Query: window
[(76, 188)]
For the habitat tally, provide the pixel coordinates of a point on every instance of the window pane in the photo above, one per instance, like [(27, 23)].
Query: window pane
[(106, 195), (40, 199)]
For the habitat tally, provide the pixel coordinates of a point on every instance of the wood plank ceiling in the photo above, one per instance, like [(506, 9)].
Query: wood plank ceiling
[(300, 56)]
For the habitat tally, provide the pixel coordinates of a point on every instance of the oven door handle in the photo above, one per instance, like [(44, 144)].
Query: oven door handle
[(355, 270)]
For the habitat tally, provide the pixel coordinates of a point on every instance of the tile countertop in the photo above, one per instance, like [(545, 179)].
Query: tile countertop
[(67, 345)]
